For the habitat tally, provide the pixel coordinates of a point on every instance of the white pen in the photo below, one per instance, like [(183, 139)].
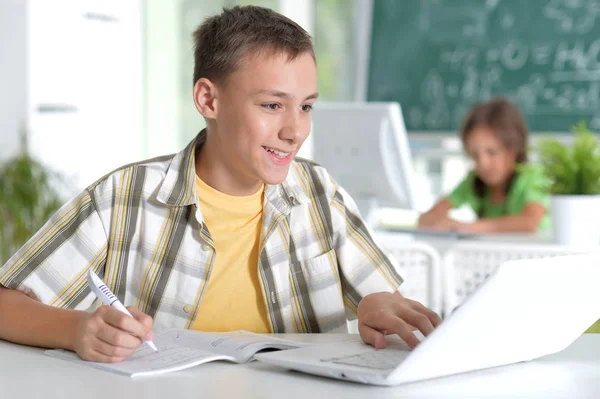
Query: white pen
[(108, 298)]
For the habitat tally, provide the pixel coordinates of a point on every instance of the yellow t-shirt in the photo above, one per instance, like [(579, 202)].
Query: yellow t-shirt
[(233, 298)]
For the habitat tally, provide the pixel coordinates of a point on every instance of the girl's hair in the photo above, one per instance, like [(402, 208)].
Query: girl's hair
[(506, 123)]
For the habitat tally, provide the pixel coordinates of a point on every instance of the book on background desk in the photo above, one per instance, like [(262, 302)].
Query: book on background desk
[(182, 349), (423, 232)]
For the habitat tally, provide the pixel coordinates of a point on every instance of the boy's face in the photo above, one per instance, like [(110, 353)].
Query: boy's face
[(494, 163), (263, 117)]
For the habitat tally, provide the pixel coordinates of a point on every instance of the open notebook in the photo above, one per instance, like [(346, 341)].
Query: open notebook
[(181, 349)]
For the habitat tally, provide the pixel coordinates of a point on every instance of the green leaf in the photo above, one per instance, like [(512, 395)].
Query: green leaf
[(574, 169), (29, 195)]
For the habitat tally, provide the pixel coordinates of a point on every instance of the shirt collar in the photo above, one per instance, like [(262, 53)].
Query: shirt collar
[(178, 186)]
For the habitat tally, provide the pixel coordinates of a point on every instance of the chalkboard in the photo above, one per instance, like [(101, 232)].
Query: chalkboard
[(438, 57)]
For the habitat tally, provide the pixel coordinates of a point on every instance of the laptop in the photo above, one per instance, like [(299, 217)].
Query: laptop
[(525, 310)]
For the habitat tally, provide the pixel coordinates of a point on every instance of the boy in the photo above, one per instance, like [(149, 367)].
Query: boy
[(231, 233)]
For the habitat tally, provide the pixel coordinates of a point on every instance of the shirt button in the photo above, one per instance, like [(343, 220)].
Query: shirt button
[(205, 247), (187, 308)]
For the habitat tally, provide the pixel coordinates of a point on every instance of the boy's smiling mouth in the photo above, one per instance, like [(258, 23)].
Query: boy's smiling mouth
[(277, 153)]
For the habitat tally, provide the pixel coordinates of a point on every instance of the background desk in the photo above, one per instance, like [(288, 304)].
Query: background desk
[(27, 373), (444, 242)]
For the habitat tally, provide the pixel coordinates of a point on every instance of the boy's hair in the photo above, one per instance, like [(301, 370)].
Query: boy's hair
[(223, 41), (504, 120), (506, 123)]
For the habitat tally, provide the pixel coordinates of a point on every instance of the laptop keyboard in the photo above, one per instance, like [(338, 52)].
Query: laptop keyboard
[(382, 359)]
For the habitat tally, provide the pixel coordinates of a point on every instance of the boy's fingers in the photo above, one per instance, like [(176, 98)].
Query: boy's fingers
[(141, 317), (124, 322), (433, 317), (371, 336), (100, 357), (117, 337), (409, 313), (393, 324), (403, 329), (112, 351)]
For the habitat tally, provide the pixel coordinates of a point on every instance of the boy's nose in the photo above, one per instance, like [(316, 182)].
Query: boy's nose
[(292, 131), (290, 134)]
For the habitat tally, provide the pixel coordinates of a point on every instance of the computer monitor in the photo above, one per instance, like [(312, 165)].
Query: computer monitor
[(364, 146)]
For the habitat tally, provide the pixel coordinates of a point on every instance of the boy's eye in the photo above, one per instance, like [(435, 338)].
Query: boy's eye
[(307, 107), (271, 106)]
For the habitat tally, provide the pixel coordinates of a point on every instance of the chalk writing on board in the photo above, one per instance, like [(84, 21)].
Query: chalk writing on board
[(573, 82), (573, 16), (457, 53)]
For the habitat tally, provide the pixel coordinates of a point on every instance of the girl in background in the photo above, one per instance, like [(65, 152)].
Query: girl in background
[(506, 194)]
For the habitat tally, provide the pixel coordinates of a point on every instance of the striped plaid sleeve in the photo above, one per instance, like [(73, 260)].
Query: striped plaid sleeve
[(365, 268), (51, 266)]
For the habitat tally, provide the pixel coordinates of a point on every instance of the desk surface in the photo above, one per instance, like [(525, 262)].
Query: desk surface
[(445, 242), (424, 235), (27, 373)]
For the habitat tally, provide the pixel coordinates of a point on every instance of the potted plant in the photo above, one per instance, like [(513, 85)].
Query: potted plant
[(574, 175), (29, 195)]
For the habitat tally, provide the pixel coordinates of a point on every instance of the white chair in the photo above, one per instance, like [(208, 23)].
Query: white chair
[(420, 267), (469, 263)]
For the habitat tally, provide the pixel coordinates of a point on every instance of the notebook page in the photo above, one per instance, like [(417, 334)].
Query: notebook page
[(238, 345), (145, 362)]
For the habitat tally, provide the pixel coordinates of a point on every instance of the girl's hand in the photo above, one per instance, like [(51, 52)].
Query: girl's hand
[(477, 227), (440, 210), (427, 220), (445, 223)]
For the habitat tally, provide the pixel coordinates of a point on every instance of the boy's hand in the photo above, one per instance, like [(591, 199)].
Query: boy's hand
[(109, 336), (385, 313)]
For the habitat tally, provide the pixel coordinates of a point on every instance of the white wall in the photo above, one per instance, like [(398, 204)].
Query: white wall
[(13, 74), (301, 12), (162, 77), (85, 91)]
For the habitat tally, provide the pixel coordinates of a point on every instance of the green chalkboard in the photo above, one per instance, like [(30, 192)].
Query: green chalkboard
[(438, 57)]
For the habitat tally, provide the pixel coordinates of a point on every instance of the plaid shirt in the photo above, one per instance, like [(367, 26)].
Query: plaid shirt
[(141, 229)]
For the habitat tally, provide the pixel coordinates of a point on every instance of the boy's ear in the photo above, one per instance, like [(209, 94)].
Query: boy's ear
[(205, 98)]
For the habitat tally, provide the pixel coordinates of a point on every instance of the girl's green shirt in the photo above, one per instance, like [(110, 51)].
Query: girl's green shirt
[(530, 186)]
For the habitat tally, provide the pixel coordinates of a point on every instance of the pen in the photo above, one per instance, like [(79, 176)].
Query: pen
[(108, 298)]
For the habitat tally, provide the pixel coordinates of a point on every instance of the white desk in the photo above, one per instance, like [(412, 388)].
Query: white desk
[(27, 373), (444, 242)]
